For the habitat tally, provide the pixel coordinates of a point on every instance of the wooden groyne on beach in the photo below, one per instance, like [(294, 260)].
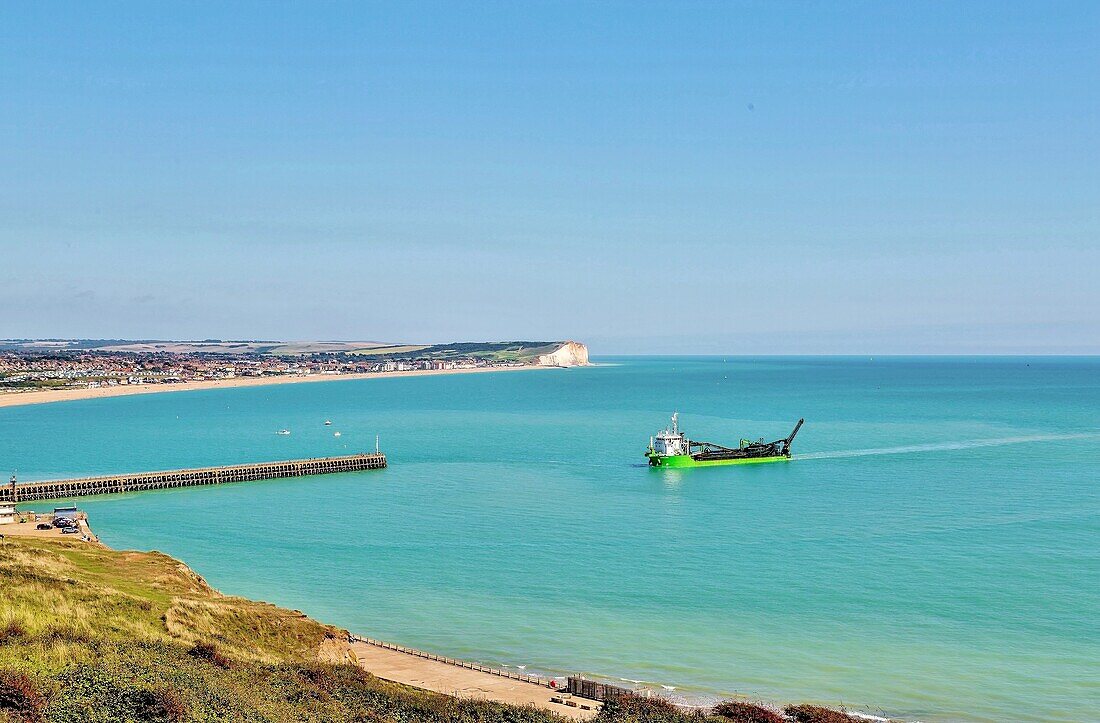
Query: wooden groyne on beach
[(466, 679), (577, 685), (534, 679), (140, 481)]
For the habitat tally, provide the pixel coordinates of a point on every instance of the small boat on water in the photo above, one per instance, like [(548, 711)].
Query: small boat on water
[(328, 422), (283, 433), (335, 434), (672, 448)]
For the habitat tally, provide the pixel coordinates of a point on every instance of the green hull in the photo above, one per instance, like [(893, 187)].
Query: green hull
[(684, 460)]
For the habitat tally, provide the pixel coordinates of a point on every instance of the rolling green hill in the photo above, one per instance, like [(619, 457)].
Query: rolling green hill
[(522, 351)]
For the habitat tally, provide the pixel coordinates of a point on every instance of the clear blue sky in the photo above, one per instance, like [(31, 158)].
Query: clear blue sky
[(684, 177)]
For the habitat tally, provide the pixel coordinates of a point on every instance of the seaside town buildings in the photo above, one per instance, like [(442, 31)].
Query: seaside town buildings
[(23, 370)]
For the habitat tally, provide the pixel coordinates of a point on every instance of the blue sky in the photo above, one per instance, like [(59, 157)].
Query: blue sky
[(683, 177)]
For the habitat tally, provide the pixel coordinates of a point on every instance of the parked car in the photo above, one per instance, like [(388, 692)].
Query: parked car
[(69, 530), (63, 522), (43, 526)]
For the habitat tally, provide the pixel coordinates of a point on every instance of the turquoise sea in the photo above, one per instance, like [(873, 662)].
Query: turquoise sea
[(933, 551)]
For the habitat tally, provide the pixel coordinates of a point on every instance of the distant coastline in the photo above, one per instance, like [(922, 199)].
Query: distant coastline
[(44, 396)]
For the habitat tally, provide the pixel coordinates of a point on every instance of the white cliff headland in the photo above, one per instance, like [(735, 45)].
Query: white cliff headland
[(569, 354)]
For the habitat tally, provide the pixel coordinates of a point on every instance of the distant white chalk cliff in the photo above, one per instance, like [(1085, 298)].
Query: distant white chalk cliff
[(569, 354)]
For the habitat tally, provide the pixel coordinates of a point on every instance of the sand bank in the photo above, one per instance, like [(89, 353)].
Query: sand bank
[(42, 396)]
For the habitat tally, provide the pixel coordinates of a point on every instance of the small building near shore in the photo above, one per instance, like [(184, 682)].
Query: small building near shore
[(8, 515)]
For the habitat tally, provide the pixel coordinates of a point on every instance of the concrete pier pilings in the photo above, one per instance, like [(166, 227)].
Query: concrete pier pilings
[(113, 484)]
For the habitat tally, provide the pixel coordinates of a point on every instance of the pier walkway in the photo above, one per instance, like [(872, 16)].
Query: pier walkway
[(115, 484)]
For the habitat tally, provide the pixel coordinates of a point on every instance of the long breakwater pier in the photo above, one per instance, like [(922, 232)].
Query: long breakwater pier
[(140, 481)]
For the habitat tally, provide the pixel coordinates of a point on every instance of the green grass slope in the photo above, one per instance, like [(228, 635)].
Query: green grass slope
[(97, 635), (90, 634), (496, 351)]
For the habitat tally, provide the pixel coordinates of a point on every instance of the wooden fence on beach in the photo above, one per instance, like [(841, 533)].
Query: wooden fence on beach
[(140, 481)]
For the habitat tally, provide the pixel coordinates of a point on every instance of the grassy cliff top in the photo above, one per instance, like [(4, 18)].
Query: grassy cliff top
[(94, 635), (490, 350), (500, 351)]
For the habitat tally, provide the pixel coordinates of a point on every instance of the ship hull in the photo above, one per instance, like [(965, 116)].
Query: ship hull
[(686, 460)]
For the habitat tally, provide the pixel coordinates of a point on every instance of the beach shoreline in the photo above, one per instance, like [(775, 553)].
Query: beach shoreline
[(45, 396)]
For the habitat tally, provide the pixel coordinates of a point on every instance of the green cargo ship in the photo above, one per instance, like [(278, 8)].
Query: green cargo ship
[(672, 448)]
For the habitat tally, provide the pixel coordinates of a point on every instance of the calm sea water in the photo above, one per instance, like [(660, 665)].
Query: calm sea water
[(932, 552)]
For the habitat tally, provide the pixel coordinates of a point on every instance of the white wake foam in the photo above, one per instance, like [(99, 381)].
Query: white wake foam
[(945, 446)]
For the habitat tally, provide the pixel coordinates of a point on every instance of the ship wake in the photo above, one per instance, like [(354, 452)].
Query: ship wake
[(946, 446)]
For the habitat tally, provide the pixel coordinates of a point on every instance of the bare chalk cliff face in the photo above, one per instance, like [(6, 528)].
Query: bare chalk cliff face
[(569, 354)]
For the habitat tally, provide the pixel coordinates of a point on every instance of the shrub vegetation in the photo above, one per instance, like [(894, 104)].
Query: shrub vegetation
[(741, 712), (817, 714)]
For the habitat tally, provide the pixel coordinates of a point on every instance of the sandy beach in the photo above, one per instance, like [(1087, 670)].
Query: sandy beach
[(465, 683), (43, 396)]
